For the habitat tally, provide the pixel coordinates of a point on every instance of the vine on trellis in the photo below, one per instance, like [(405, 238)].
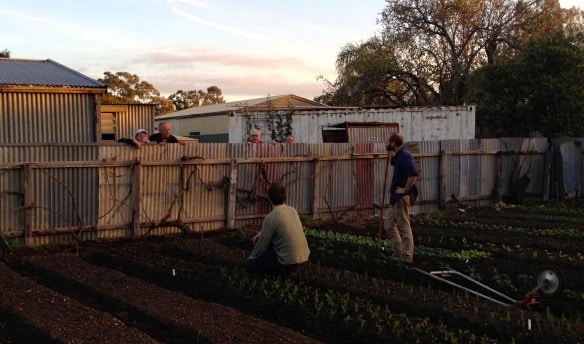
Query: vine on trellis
[(280, 124)]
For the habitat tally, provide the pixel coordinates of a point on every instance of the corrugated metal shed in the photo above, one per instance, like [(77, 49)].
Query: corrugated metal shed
[(359, 132), (42, 101), (127, 118), (308, 121), (47, 117), (210, 123), (214, 128), (23, 72), (416, 123), (270, 102)]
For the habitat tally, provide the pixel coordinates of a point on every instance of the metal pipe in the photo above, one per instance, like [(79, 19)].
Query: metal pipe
[(468, 278), (461, 286)]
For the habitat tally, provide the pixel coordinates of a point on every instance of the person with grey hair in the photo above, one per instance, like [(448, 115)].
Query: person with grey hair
[(280, 247), (255, 136), (163, 135)]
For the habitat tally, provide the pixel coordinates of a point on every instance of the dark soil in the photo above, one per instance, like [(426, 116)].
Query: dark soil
[(191, 288)]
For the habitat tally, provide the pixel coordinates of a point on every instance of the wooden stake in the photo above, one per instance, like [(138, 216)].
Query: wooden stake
[(380, 234)]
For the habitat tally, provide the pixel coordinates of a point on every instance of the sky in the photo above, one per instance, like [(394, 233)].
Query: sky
[(249, 49)]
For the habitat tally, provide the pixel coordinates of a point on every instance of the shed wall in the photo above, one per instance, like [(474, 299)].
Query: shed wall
[(416, 124), (208, 125), (134, 116), (47, 117)]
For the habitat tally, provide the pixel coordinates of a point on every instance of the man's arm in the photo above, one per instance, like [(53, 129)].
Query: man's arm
[(409, 184), (256, 238), (132, 142), (262, 239)]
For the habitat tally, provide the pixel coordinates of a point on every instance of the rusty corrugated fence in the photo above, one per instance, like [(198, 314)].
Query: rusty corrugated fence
[(62, 193)]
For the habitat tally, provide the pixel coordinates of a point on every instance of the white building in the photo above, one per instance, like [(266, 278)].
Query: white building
[(312, 122)]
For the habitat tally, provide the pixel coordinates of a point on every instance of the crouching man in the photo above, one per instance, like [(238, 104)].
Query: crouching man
[(280, 247)]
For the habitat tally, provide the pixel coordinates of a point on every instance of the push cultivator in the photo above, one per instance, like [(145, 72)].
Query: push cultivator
[(550, 282)]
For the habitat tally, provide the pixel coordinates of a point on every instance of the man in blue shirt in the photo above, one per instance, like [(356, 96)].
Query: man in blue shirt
[(403, 180)]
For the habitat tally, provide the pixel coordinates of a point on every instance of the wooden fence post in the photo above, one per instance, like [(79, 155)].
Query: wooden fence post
[(441, 180), (28, 203), (547, 170), (232, 195), (316, 189), (499, 176), (136, 181)]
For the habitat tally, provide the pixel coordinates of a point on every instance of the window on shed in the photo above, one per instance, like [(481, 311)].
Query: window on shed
[(108, 126)]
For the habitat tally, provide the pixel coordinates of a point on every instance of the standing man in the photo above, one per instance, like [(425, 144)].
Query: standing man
[(163, 135), (280, 247), (403, 180)]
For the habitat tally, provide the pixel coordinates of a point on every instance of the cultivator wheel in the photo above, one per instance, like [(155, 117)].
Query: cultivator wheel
[(551, 280)]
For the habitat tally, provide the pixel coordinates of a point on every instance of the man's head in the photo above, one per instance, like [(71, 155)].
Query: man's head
[(164, 129), (394, 141), (277, 193), (141, 135), (255, 135), (289, 138)]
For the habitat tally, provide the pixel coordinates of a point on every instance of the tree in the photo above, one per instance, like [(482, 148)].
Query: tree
[(445, 41), (369, 75), (214, 95), (574, 25), (126, 88), (5, 53), (184, 99), (187, 99), (540, 89)]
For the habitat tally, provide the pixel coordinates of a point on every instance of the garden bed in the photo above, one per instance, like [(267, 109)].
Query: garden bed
[(191, 288)]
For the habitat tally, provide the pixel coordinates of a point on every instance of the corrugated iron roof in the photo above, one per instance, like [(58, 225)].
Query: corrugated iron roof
[(255, 104), (24, 72)]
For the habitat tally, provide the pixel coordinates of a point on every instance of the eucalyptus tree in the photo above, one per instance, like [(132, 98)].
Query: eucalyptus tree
[(192, 98), (127, 88), (184, 99), (214, 95)]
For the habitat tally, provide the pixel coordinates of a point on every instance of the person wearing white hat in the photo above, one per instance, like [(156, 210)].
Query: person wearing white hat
[(140, 139)]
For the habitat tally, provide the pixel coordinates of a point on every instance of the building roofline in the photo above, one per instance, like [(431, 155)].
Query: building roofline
[(78, 73), (30, 74)]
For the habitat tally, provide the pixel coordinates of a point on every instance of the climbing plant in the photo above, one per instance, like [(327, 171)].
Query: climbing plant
[(280, 124)]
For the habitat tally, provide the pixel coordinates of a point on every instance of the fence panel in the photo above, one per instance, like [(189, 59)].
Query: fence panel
[(58, 194), (11, 200)]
